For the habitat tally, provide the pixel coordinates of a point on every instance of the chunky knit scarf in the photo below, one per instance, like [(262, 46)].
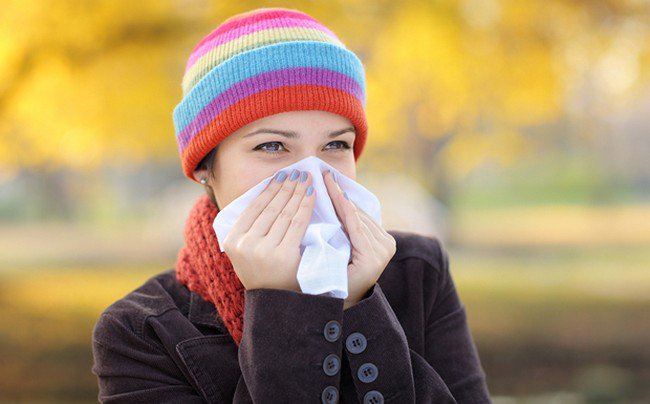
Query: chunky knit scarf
[(204, 269)]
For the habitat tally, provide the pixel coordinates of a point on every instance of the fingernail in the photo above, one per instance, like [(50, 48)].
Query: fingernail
[(281, 176), (310, 190), (294, 175), (345, 194), (335, 178), (303, 176)]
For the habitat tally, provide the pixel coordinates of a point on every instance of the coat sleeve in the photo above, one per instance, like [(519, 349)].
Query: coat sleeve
[(130, 369), (382, 363), (284, 354)]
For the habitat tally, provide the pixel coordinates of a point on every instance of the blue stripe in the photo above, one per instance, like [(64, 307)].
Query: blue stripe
[(260, 60)]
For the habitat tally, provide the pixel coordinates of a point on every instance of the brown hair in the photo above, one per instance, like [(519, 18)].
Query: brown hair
[(207, 163)]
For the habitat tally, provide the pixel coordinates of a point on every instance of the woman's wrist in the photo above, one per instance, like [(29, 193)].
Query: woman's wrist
[(347, 304), (351, 301)]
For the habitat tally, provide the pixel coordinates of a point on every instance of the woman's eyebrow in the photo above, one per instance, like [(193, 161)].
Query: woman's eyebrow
[(292, 134)]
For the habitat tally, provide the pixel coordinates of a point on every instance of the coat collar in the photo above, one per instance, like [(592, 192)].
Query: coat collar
[(204, 313)]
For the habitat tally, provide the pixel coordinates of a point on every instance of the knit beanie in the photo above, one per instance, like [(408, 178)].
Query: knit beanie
[(260, 63)]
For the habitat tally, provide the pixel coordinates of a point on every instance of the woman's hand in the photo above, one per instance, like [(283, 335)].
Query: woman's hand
[(264, 243), (372, 246)]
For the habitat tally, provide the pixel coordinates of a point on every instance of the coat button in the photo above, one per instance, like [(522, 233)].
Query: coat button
[(373, 397), (356, 343), (330, 395), (331, 364), (332, 330), (367, 372)]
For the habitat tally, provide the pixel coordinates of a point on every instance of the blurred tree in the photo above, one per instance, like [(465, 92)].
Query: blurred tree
[(91, 83), (484, 78), (85, 83)]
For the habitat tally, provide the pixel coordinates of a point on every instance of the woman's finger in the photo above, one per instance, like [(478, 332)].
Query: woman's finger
[(282, 222), (335, 193), (377, 231), (253, 210), (270, 213), (381, 241), (346, 211), (374, 243), (296, 230)]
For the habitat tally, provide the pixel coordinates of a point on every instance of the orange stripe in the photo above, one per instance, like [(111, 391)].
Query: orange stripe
[(270, 102)]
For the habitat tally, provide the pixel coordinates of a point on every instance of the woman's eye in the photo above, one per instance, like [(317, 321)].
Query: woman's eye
[(344, 145), (274, 146), (261, 147)]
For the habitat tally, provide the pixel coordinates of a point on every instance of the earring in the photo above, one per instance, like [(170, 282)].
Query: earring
[(204, 181)]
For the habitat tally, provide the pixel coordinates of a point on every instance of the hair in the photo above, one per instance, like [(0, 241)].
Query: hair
[(207, 163)]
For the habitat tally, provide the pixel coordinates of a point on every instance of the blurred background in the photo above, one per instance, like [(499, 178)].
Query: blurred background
[(515, 131)]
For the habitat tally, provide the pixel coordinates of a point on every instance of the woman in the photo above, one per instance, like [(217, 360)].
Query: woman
[(262, 91)]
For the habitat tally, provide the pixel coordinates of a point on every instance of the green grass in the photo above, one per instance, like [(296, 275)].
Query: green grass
[(556, 297), (558, 316), (549, 320), (47, 316)]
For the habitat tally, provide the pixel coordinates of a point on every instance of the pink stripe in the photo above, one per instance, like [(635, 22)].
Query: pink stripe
[(248, 29), (261, 15)]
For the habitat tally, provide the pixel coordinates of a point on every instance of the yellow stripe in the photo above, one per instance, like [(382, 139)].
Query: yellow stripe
[(246, 42)]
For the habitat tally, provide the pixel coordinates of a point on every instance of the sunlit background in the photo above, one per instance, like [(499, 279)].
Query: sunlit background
[(515, 131)]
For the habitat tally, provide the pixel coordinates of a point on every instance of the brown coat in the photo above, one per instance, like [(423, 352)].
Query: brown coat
[(407, 341)]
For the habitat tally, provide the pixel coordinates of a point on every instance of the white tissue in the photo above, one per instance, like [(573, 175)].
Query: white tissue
[(325, 248)]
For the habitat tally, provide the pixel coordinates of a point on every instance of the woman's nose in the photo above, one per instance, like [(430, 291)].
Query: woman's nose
[(304, 156)]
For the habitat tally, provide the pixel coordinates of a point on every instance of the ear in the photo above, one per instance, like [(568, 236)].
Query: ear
[(200, 173)]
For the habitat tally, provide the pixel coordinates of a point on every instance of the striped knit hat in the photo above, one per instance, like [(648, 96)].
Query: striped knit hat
[(260, 63)]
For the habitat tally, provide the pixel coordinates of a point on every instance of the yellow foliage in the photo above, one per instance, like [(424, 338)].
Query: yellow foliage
[(554, 226), (86, 82)]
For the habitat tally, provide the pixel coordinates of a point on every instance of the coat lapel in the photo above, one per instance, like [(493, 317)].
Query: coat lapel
[(211, 360), (205, 313)]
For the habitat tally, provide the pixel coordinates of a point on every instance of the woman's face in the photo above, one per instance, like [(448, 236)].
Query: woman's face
[(259, 149)]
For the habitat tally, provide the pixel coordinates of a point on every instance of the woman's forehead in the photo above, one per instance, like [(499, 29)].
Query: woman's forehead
[(296, 122)]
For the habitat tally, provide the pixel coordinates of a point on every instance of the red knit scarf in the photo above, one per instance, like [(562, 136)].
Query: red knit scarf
[(204, 269)]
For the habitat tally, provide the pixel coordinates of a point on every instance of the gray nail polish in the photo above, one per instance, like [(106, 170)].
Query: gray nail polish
[(294, 175), (345, 194), (335, 178), (303, 176), (310, 190), (281, 176)]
